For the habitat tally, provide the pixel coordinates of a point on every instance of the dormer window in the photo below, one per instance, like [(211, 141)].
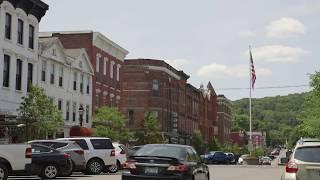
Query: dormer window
[(54, 52)]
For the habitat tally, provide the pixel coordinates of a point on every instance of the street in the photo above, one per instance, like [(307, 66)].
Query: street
[(217, 172)]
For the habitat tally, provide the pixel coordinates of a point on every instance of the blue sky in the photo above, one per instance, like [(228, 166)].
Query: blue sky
[(208, 39)]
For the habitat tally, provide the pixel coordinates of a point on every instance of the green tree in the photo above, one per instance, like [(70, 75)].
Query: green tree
[(309, 119), (109, 122), (151, 130), (198, 142), (39, 114)]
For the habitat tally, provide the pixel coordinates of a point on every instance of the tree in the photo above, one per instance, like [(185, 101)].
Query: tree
[(151, 130), (109, 122), (39, 114), (309, 119), (197, 142)]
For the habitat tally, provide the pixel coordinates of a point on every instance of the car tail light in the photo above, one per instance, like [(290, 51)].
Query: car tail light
[(113, 152), (130, 164), (81, 152), (66, 156), (28, 152), (122, 152), (179, 168), (291, 167)]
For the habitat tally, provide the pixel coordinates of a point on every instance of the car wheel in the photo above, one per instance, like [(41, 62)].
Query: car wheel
[(114, 168), (94, 166), (3, 172), (49, 171)]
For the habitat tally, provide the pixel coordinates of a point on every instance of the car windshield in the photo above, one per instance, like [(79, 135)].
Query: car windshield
[(161, 150), (308, 154)]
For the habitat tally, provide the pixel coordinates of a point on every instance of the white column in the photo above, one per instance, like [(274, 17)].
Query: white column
[(118, 72)]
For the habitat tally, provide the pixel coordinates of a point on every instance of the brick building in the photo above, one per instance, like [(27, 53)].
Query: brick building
[(107, 60), (224, 118), (154, 86)]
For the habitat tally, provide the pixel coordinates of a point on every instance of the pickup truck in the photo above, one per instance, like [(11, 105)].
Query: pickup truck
[(14, 158)]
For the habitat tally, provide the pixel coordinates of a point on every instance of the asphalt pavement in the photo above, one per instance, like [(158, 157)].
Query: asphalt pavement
[(217, 172)]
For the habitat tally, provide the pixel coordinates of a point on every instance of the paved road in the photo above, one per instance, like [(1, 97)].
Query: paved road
[(217, 173), (246, 172)]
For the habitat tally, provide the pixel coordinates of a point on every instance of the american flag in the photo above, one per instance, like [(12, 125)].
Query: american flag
[(252, 71)]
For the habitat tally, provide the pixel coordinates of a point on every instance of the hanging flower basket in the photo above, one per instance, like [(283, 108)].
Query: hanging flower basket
[(80, 131)]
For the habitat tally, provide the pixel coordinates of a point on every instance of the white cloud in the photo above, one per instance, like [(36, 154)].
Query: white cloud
[(278, 54), (247, 34), (179, 64), (239, 71), (285, 27)]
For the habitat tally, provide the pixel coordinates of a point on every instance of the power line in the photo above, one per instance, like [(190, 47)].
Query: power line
[(267, 87)]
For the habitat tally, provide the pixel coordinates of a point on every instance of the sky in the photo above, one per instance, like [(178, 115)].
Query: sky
[(208, 39)]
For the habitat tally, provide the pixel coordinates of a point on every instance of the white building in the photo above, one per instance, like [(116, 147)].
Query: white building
[(19, 22), (66, 76)]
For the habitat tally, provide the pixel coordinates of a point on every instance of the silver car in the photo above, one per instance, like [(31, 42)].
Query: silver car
[(69, 147), (304, 163)]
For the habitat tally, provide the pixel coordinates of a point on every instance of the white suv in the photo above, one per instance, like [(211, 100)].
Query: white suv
[(99, 153), (304, 162)]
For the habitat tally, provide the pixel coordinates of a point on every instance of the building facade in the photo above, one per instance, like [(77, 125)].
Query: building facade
[(224, 120), (107, 60), (155, 86), (19, 24), (66, 76)]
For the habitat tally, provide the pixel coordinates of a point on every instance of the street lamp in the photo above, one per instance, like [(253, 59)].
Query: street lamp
[(81, 113)]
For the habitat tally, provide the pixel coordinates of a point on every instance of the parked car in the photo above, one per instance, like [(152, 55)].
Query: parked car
[(121, 157), (217, 157), (240, 160), (14, 158), (70, 147), (132, 150), (265, 161), (231, 158), (166, 161), (49, 163), (304, 163), (99, 153)]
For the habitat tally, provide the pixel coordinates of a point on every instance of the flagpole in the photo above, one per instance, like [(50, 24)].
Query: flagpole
[(250, 94)]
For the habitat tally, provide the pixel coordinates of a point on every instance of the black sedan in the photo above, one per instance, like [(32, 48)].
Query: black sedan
[(49, 163), (167, 162)]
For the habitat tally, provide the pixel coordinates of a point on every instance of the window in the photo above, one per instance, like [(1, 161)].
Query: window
[(308, 154), (111, 101), (40, 149), (131, 117), (82, 143), (81, 84), (117, 101), (104, 100), (74, 109), (18, 74), (52, 73), (111, 70), (61, 77), (54, 53), (88, 85), (118, 72), (8, 26), (30, 76), (155, 88), (67, 110), (87, 114), (97, 101), (75, 76), (6, 71), (98, 67), (104, 67), (101, 143), (43, 71), (20, 32), (31, 37), (60, 104)]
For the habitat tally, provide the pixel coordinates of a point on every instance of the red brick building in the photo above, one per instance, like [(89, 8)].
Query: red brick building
[(239, 138), (224, 118), (155, 86), (107, 60)]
